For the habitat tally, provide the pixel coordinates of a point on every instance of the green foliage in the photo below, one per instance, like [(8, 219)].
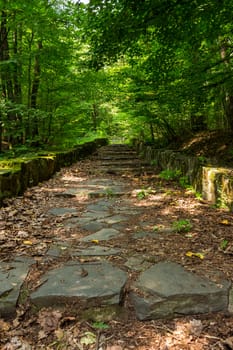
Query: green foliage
[(184, 181), (109, 192), (170, 175), (223, 244), (141, 194), (198, 195), (182, 55), (154, 162), (100, 325), (114, 68), (182, 225), (144, 193), (202, 160)]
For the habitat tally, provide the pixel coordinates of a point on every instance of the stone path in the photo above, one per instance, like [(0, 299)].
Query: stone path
[(164, 289)]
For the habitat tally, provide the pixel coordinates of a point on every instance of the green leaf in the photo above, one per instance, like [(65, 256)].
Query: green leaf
[(100, 325), (88, 338)]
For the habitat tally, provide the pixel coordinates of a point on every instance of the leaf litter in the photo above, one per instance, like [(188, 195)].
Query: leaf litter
[(27, 229)]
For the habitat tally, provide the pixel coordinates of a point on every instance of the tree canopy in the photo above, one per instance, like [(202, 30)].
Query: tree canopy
[(150, 69)]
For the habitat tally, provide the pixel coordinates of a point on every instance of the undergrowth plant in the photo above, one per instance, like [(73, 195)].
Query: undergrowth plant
[(182, 225), (143, 193), (224, 244), (184, 181), (169, 174)]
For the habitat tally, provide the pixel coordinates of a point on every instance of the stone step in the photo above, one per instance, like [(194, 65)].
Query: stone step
[(122, 163), (110, 153), (163, 290), (116, 149), (167, 290), (120, 156), (126, 170)]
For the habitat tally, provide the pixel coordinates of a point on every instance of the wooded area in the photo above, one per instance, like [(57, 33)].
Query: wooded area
[(151, 70)]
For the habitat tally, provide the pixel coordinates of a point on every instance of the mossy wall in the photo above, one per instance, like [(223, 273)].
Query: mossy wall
[(14, 182), (215, 183)]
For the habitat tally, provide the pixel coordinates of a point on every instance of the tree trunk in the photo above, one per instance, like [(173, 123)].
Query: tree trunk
[(94, 116), (17, 73), (152, 132), (7, 86), (35, 89), (228, 98), (228, 106)]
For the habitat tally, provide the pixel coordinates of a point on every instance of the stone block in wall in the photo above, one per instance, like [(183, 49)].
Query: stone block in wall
[(9, 183), (215, 183), (217, 186), (35, 170)]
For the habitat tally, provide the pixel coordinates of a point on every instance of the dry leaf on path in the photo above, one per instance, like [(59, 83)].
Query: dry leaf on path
[(229, 343), (49, 321), (114, 347), (4, 326), (198, 255)]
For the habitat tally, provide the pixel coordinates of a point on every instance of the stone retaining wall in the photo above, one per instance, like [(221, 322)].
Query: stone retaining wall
[(35, 170), (213, 182)]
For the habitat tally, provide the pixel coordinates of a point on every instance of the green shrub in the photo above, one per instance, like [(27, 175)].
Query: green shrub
[(183, 225), (170, 174), (184, 181)]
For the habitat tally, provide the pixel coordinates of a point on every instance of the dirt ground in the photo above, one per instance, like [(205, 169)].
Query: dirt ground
[(215, 145), (25, 229)]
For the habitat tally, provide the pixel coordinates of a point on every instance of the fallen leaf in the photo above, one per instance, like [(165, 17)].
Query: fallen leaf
[(49, 321), (96, 241), (198, 255), (27, 242), (17, 343), (195, 327), (114, 347), (88, 338), (4, 326), (224, 222), (59, 333), (229, 342), (22, 234)]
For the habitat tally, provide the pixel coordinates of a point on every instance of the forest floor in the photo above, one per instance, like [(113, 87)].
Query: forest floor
[(215, 145), (27, 230)]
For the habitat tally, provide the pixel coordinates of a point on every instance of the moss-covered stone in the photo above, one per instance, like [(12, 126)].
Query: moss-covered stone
[(215, 183), (104, 314), (19, 174)]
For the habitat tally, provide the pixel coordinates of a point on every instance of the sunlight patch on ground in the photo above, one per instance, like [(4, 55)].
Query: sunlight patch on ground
[(73, 178)]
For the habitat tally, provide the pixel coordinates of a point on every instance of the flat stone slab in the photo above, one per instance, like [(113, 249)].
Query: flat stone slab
[(93, 215), (92, 226), (106, 193), (62, 211), (100, 206), (102, 235), (168, 290), (115, 219), (97, 251), (94, 284), (12, 276), (58, 250), (137, 263)]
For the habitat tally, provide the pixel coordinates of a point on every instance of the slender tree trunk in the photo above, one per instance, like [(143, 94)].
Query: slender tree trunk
[(228, 99), (7, 74), (35, 89), (152, 132), (7, 86), (17, 73), (94, 116)]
